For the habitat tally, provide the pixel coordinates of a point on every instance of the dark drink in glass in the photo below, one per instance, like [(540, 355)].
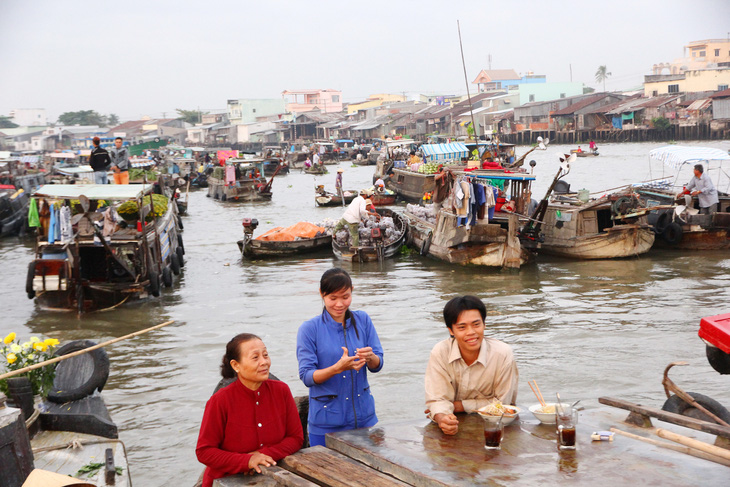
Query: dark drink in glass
[(567, 437), (492, 439)]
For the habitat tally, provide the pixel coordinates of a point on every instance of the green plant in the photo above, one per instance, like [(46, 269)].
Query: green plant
[(91, 468), (18, 356), (661, 123)]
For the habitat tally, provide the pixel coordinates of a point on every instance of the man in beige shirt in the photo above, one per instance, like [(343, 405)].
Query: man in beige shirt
[(468, 370)]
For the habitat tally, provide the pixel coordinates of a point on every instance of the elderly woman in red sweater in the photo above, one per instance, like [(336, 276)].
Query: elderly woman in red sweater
[(251, 422)]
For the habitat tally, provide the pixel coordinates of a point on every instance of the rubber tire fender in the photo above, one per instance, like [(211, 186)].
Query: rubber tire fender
[(673, 233), (29, 280), (174, 263), (676, 405), (97, 380), (167, 276), (719, 360), (180, 243), (154, 283), (662, 222), (224, 197), (180, 223), (180, 252)]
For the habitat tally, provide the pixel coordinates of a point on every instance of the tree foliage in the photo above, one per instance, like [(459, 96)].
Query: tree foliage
[(601, 75), (82, 117), (6, 122), (112, 120), (190, 116), (661, 123)]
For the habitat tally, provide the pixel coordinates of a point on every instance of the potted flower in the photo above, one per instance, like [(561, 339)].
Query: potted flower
[(15, 355)]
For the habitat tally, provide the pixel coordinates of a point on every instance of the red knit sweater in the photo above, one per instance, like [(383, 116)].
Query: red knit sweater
[(238, 422)]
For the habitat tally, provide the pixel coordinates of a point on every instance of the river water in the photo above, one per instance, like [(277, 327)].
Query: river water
[(584, 329)]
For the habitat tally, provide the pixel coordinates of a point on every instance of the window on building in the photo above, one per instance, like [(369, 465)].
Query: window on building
[(254, 110), (532, 98), (654, 93), (673, 89), (717, 52), (722, 87), (702, 53), (562, 95), (335, 98)]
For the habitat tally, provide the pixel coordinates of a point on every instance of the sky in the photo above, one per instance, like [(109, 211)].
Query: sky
[(147, 58)]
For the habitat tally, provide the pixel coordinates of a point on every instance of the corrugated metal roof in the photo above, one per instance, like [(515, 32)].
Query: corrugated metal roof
[(700, 104), (658, 101), (571, 109), (721, 94)]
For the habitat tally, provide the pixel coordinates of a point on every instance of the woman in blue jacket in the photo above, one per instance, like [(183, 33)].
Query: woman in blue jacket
[(335, 350)]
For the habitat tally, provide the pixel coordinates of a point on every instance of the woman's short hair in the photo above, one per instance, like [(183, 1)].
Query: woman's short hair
[(334, 280), (233, 352), (459, 304)]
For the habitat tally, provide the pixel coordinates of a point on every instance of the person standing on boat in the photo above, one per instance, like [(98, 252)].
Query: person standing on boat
[(99, 161), (467, 371), (338, 184), (592, 145), (336, 350), (353, 215), (703, 189), (253, 421), (316, 160), (120, 162)]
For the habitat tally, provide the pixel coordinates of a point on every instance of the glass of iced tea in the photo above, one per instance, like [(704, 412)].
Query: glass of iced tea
[(493, 432), (566, 421)]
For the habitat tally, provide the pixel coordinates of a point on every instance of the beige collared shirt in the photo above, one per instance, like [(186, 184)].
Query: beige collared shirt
[(492, 376)]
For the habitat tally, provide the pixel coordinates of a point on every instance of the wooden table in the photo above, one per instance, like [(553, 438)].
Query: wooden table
[(417, 453)]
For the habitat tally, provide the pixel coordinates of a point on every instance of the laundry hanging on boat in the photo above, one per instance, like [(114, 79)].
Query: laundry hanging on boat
[(66, 228), (52, 226), (230, 175), (33, 219), (57, 229)]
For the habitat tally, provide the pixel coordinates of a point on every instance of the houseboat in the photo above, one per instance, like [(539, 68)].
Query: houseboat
[(676, 223), (86, 258), (240, 180)]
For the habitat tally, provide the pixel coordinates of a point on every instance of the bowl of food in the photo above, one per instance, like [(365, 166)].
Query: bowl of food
[(492, 412), (546, 413)]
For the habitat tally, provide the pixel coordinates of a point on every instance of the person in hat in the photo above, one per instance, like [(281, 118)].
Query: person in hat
[(338, 183), (356, 211)]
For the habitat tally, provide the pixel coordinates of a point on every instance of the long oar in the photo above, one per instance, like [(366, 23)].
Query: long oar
[(79, 352)]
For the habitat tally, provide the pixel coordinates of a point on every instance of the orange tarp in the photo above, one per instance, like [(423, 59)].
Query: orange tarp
[(301, 230)]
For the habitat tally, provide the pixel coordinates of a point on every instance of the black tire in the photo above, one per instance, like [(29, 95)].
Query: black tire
[(719, 360), (676, 405), (662, 222), (180, 224), (29, 280), (180, 243), (167, 276), (154, 283), (224, 197), (80, 376), (673, 233), (175, 263), (180, 252)]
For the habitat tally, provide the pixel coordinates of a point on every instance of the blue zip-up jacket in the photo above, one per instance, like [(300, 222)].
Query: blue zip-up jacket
[(344, 401)]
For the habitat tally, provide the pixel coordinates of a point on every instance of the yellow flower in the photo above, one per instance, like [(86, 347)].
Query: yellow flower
[(9, 338), (26, 345), (51, 342), (15, 348), (34, 339), (40, 346), (31, 356), (11, 358)]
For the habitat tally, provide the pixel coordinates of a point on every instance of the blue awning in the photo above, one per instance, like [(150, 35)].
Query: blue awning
[(444, 152)]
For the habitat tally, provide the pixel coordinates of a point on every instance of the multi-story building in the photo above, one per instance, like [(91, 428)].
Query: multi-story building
[(698, 55), (243, 111), (300, 101), (688, 81)]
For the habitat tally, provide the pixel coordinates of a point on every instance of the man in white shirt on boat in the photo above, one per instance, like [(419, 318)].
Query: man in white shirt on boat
[(702, 187), (356, 211), (316, 159)]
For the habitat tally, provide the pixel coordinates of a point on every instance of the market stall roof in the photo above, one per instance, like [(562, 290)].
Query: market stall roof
[(74, 169), (30, 159), (675, 156), (442, 152), (93, 191), (63, 155)]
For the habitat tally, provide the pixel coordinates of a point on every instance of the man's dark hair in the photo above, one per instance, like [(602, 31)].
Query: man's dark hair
[(118, 138), (700, 168), (459, 304), (96, 140)]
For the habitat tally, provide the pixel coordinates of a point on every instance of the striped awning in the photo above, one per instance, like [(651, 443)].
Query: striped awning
[(675, 156), (30, 159), (142, 164), (454, 151)]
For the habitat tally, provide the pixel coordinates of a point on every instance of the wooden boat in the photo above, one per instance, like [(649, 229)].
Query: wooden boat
[(605, 228), (249, 184), (316, 170), (325, 198), (376, 252), (272, 164), (253, 248), (486, 244), (92, 272), (383, 199), (13, 210), (588, 153)]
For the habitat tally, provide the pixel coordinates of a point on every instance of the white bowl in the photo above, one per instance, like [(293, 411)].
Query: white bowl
[(508, 419), (545, 418)]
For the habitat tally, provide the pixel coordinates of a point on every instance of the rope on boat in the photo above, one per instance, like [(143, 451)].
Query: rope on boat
[(116, 305), (29, 422), (78, 443)]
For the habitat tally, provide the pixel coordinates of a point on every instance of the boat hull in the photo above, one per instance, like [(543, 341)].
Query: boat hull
[(373, 254), (616, 242), (252, 248), (246, 192)]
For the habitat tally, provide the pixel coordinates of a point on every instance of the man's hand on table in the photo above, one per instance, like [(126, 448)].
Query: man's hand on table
[(447, 422)]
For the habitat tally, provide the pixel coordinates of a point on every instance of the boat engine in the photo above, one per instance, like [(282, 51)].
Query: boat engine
[(249, 225)]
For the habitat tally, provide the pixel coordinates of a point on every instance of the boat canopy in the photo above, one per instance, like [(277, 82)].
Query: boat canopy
[(70, 171), (675, 156), (345, 141), (63, 155), (93, 191), (444, 152)]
